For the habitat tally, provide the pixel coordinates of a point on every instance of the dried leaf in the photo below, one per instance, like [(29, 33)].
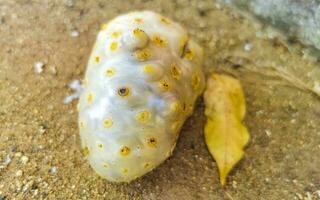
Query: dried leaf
[(225, 134)]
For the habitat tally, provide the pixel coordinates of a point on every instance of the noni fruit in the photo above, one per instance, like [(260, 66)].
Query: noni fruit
[(142, 80)]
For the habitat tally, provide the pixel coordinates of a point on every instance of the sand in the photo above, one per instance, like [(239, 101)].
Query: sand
[(40, 156)]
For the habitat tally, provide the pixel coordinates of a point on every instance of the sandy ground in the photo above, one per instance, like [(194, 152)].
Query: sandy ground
[(40, 155)]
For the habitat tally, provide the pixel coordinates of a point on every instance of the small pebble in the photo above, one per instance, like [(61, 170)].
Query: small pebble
[(53, 70), (44, 184), (234, 184), (259, 34), (268, 133), (27, 186), (38, 66), (42, 130), (18, 154), (299, 196), (53, 170), (308, 196), (316, 87), (7, 160), (19, 173), (24, 160), (247, 47), (69, 3), (293, 121), (77, 87), (74, 33)]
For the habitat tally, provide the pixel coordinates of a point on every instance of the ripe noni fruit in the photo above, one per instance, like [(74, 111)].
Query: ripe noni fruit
[(142, 80)]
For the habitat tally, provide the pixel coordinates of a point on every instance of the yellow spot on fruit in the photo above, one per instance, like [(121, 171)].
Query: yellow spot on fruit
[(195, 81), (125, 171), (124, 91), (143, 116), (124, 151), (107, 123), (110, 72), (148, 68), (90, 97), (164, 84), (175, 106), (105, 165), (159, 41), (138, 32), (152, 142), (146, 165), (100, 146), (115, 34), (175, 71), (164, 21), (81, 125), (96, 59), (113, 46), (86, 151), (103, 27), (138, 20), (142, 55), (188, 54)]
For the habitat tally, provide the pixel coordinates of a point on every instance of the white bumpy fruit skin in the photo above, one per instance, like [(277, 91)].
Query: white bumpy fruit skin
[(142, 80)]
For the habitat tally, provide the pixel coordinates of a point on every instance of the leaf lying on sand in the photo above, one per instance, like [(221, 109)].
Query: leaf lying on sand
[(225, 134)]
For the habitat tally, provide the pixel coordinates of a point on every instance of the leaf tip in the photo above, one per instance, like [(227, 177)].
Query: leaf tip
[(223, 180)]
